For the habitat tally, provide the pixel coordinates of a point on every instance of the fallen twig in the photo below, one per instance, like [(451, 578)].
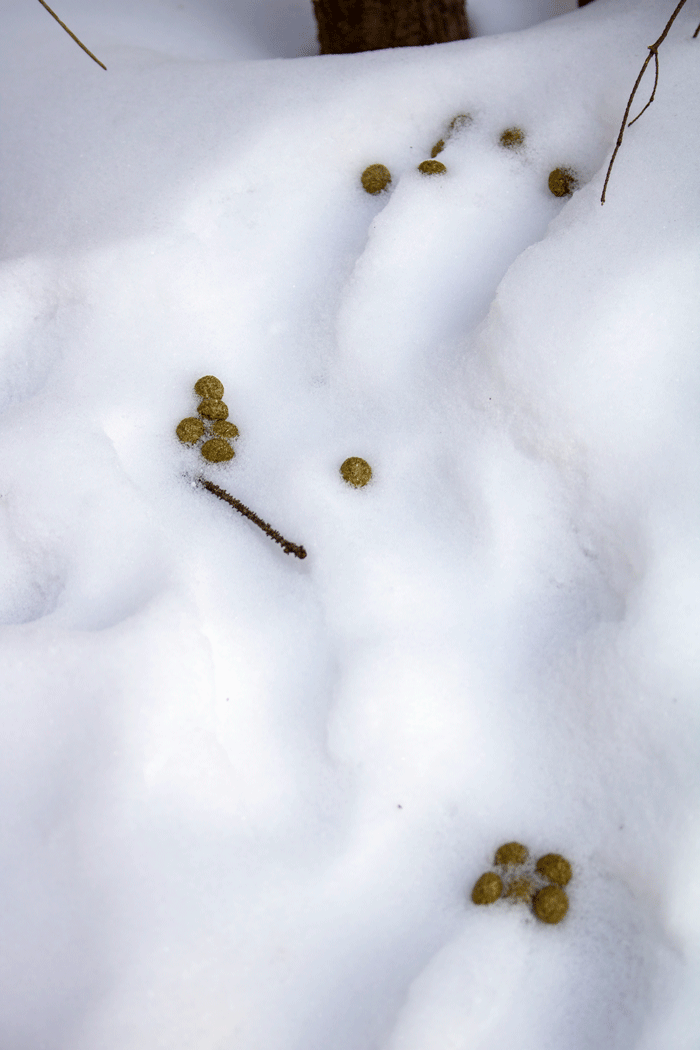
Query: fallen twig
[(287, 546), (71, 34), (653, 53)]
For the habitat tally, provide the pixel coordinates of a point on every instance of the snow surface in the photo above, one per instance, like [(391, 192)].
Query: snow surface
[(245, 797)]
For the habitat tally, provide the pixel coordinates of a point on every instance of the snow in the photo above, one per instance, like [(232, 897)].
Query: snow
[(246, 796)]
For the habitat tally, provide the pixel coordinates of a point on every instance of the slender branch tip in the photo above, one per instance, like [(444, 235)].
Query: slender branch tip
[(72, 35)]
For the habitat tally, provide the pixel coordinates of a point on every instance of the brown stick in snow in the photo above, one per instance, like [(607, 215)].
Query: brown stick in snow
[(653, 53), (287, 546), (71, 34)]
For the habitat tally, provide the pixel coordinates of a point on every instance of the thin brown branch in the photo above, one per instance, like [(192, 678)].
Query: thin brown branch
[(653, 51), (653, 90), (287, 546), (71, 34), (696, 32)]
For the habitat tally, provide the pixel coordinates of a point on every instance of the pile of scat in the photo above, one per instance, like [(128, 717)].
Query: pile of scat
[(376, 178), (210, 423), (539, 883)]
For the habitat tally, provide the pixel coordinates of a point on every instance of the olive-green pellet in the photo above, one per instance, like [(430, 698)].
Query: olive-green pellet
[(190, 430), (555, 868), (487, 889), (432, 167), (217, 450), (520, 890), (437, 148), (462, 120), (209, 387), (223, 429), (550, 904), (212, 408), (375, 178), (512, 138), (356, 471), (511, 853), (562, 182)]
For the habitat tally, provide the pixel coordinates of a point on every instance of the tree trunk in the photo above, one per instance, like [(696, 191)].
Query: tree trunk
[(348, 26)]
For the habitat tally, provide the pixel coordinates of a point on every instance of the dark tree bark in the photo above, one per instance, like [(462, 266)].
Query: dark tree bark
[(348, 26)]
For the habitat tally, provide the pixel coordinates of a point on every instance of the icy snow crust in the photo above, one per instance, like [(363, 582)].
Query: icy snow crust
[(245, 798)]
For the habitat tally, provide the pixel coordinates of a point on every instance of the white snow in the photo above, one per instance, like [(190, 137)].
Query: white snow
[(245, 797)]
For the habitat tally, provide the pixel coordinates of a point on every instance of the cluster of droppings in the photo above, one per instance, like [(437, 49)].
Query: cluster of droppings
[(211, 423), (376, 178), (519, 881), (562, 182), (355, 471)]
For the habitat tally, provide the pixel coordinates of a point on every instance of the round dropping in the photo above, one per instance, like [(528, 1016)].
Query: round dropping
[(375, 178), (190, 430), (550, 904), (224, 429), (462, 120), (511, 853), (356, 471), (213, 409), (487, 889), (209, 387), (520, 890), (512, 138), (562, 182), (555, 868), (217, 450), (432, 167)]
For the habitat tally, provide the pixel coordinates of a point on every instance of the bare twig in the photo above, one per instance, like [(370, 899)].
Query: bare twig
[(696, 32), (71, 34), (653, 90), (653, 53), (287, 546)]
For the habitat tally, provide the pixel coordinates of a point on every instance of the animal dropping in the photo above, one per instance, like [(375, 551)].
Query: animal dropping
[(190, 430), (209, 387), (217, 450), (357, 472), (562, 182), (512, 138), (487, 889), (432, 167), (550, 904), (511, 853), (555, 868), (224, 429), (212, 409), (375, 178), (520, 890)]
